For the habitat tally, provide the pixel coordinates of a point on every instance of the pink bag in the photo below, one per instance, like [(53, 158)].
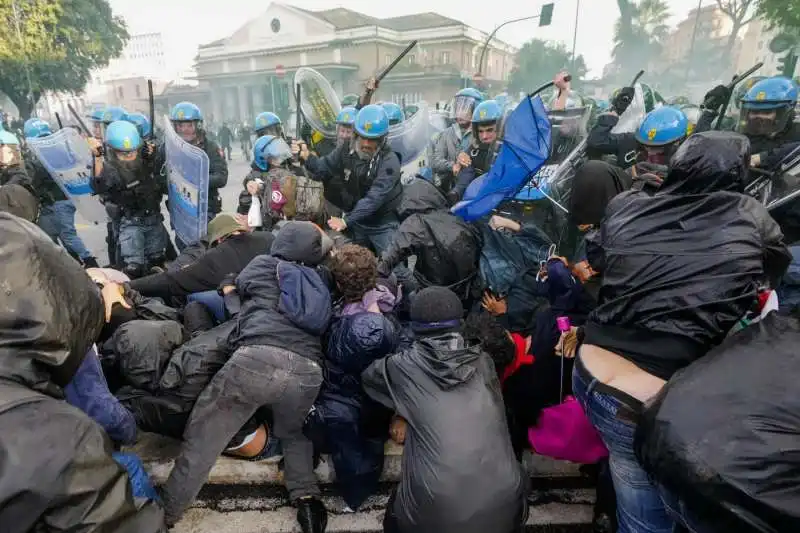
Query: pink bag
[(564, 432)]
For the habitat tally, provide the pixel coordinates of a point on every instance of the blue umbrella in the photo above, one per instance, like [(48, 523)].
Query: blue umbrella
[(526, 146)]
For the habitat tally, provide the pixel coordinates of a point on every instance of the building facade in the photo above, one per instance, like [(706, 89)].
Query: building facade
[(755, 48), (252, 70)]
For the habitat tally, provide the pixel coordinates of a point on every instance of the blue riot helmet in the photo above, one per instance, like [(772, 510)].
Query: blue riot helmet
[(344, 124), (661, 132), (9, 149), (350, 100), (464, 105), (371, 128), (270, 151), (113, 114), (767, 109), (186, 119), (96, 116), (394, 112), (36, 127), (486, 122), (268, 123), (141, 122), (123, 136)]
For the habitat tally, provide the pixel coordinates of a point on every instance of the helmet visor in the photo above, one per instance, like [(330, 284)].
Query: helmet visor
[(765, 122), (278, 151), (463, 106)]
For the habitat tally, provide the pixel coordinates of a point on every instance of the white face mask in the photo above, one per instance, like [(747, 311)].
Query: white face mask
[(9, 155)]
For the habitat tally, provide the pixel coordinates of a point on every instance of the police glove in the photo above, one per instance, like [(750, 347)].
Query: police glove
[(622, 100), (717, 97)]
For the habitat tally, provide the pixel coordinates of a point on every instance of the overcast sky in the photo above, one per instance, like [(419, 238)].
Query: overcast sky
[(185, 24)]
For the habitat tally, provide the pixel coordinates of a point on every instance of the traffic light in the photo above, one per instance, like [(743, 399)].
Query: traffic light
[(546, 16), (788, 64)]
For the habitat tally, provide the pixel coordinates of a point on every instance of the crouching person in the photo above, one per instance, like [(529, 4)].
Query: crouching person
[(447, 390), (57, 470), (285, 308)]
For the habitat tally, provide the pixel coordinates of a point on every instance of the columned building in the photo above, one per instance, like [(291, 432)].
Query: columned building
[(252, 69)]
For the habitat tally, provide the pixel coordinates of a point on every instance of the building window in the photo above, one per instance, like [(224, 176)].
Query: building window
[(138, 91), (412, 59), (387, 59), (120, 93), (444, 58), (760, 45), (337, 55)]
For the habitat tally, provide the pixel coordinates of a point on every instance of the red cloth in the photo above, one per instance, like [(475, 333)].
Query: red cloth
[(522, 357)]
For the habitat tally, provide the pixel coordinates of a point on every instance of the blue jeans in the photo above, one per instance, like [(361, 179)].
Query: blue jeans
[(141, 240), (789, 289), (213, 302), (58, 221), (640, 508)]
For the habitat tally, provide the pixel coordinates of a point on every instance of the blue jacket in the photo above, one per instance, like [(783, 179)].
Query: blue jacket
[(346, 422)]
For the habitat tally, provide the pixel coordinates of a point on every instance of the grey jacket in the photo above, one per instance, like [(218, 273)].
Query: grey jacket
[(444, 154)]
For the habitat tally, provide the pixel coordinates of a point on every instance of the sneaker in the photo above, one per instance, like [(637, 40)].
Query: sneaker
[(272, 452), (311, 515)]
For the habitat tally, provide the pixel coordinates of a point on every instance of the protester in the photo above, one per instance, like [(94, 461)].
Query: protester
[(450, 484), (276, 364), (345, 422), (709, 251), (51, 314)]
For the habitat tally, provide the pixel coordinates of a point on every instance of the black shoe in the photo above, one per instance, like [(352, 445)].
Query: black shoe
[(311, 515), (90, 262)]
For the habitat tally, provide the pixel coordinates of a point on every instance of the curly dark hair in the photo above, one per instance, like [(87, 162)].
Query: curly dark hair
[(484, 329), (355, 270)]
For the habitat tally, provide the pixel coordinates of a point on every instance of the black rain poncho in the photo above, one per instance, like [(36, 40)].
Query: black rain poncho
[(459, 470), (60, 476), (724, 434)]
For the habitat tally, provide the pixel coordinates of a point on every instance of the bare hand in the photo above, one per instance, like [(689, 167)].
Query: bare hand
[(568, 343), (397, 430), (337, 224), (456, 169), (242, 220), (113, 293), (372, 84), (253, 187), (498, 222), (464, 160), (227, 289), (560, 81), (755, 160), (95, 145), (494, 305), (304, 152)]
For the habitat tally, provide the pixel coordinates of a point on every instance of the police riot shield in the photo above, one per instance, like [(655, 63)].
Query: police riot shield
[(318, 101), (69, 160), (187, 179), (410, 140)]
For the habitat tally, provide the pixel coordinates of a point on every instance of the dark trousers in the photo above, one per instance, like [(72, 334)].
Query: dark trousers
[(253, 377)]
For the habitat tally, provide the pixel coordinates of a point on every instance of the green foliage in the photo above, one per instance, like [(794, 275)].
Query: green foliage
[(62, 42), (538, 61), (639, 34), (784, 14)]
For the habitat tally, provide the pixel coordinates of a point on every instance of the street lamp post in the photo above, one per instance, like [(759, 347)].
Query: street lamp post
[(491, 36), (575, 35)]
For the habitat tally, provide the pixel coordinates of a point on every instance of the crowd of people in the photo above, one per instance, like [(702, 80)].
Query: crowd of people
[(335, 307)]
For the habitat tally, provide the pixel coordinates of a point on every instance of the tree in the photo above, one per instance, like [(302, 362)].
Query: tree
[(740, 12), (58, 44), (639, 34), (538, 61), (783, 14)]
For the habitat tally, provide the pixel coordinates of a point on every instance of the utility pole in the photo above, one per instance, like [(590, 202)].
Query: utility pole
[(575, 35)]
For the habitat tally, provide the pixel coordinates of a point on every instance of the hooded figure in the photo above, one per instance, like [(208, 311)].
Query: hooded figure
[(285, 308), (459, 473), (50, 314), (595, 184), (447, 248), (695, 255)]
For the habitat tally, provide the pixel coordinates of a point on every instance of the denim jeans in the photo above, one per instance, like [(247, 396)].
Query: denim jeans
[(640, 508), (253, 377), (213, 302), (141, 240), (58, 221)]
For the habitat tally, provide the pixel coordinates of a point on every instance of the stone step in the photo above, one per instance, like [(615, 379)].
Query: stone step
[(158, 455)]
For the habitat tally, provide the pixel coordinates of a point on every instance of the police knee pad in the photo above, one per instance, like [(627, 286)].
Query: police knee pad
[(133, 270)]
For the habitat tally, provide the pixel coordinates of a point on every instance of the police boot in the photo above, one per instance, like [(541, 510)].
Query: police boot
[(311, 515), (90, 262), (133, 270), (157, 266)]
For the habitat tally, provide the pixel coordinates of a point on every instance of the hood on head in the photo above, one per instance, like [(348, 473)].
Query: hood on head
[(421, 196), (50, 311), (446, 359), (300, 242), (707, 162), (16, 199)]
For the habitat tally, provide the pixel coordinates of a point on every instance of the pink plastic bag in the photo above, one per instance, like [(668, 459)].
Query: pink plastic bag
[(564, 432)]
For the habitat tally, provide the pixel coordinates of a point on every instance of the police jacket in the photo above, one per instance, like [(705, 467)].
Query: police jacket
[(601, 142), (46, 189), (136, 193), (368, 191)]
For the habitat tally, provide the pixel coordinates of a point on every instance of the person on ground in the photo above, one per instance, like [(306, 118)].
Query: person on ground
[(285, 309), (429, 385), (695, 261)]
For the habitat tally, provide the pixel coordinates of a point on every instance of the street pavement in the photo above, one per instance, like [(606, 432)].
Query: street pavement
[(94, 236)]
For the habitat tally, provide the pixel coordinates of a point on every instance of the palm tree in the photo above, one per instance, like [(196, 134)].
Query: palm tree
[(639, 33)]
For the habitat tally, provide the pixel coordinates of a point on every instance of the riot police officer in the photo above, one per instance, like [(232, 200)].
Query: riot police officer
[(451, 141), (394, 112), (483, 148), (345, 121)]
